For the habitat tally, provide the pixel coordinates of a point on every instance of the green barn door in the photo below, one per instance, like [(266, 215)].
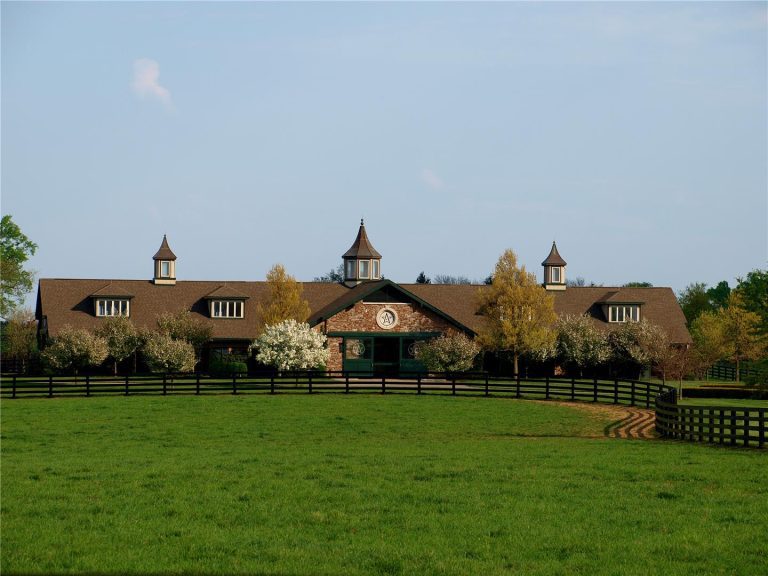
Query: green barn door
[(358, 355)]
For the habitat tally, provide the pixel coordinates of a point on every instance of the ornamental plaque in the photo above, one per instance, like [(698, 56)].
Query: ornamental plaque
[(386, 318)]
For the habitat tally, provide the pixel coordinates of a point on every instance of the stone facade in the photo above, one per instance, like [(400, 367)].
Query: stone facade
[(362, 318)]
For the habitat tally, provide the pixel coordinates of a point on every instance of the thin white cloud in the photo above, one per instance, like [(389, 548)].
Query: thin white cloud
[(146, 85), (431, 179)]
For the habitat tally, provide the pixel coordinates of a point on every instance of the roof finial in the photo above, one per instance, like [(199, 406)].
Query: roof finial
[(362, 223)]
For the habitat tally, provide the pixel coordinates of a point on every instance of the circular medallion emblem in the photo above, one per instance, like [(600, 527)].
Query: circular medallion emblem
[(386, 318)]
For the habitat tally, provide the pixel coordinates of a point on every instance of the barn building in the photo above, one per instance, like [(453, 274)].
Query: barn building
[(372, 323)]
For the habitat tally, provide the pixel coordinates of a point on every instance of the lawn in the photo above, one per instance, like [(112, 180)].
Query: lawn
[(365, 484)]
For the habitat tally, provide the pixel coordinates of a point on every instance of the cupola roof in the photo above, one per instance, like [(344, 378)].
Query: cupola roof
[(362, 247), (554, 258), (165, 252)]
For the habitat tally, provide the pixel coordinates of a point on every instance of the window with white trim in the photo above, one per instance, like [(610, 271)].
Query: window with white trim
[(165, 269), (227, 309), (624, 313), (350, 269), (113, 307), (365, 271), (555, 275), (376, 274)]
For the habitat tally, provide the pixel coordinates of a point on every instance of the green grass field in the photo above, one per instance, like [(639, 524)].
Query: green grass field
[(365, 484)]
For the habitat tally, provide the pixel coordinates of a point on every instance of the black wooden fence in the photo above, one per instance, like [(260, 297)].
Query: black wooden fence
[(730, 425), (742, 426), (727, 371)]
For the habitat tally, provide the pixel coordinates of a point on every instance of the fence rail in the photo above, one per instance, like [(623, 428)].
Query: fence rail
[(725, 425), (727, 371)]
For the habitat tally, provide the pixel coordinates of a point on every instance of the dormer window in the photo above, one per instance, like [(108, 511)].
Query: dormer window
[(624, 313), (226, 308), (106, 307)]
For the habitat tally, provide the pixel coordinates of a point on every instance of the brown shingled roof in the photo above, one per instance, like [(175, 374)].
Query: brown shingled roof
[(165, 252), (226, 291), (554, 258), (114, 290), (70, 302), (362, 247)]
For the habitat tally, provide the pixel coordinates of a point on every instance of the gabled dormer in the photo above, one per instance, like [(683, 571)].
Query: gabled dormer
[(362, 263), (165, 264), (554, 270)]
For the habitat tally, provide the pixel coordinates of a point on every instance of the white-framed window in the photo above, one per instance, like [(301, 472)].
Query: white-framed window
[(350, 269), (113, 307), (376, 272), (555, 274), (364, 269), (227, 309), (165, 269), (624, 313)]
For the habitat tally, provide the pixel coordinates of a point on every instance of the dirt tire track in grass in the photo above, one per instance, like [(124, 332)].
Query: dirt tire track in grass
[(628, 422)]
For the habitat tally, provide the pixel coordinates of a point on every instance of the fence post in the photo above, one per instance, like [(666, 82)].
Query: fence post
[(50, 386), (165, 385), (615, 390), (632, 393), (13, 387), (383, 385), (573, 388), (453, 385), (310, 382), (594, 382), (745, 423), (733, 426), (346, 382), (418, 383), (546, 387), (761, 425), (234, 383), (517, 393), (197, 383), (126, 384), (486, 383), (272, 383)]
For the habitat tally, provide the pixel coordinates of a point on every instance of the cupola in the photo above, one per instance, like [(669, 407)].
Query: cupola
[(554, 270), (165, 264), (362, 262)]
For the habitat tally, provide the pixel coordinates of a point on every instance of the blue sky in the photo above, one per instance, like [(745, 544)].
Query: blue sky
[(634, 134)]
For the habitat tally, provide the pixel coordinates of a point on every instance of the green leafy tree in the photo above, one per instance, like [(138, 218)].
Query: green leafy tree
[(638, 285), (334, 275), (122, 337), (718, 295), (183, 325), (580, 344), (20, 338), (15, 281), (75, 349), (753, 291), (169, 355), (423, 278), (448, 279), (519, 313), (694, 300), (710, 341), (742, 330), (285, 300), (451, 352)]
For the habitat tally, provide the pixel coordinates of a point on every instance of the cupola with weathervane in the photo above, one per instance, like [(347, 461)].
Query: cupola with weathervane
[(554, 270), (165, 265), (362, 262)]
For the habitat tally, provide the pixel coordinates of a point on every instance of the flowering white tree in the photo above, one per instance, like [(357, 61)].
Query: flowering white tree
[(452, 352), (122, 337), (75, 349), (638, 343), (291, 345), (579, 343), (166, 354)]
